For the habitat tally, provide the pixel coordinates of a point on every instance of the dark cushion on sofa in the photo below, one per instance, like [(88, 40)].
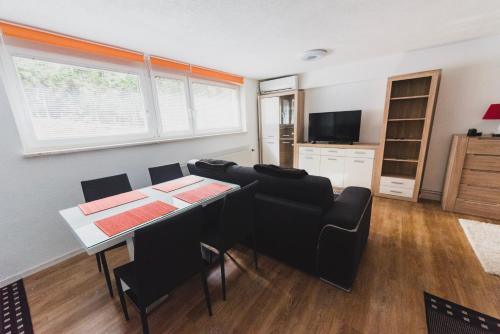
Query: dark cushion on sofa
[(214, 164), (278, 171)]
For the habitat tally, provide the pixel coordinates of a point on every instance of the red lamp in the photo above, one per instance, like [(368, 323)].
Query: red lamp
[(493, 112)]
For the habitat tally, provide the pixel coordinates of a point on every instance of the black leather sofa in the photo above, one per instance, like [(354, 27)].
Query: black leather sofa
[(300, 222)]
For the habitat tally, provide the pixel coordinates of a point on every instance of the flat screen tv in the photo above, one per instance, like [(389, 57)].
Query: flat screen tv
[(338, 126)]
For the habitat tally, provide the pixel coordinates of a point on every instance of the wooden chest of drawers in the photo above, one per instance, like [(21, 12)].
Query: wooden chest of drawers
[(472, 184)]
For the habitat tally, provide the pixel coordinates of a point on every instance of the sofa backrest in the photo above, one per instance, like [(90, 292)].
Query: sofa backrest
[(314, 190)]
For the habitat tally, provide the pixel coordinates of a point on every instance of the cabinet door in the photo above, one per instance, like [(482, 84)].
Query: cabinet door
[(358, 172), (310, 163), (333, 168), (270, 117), (270, 151)]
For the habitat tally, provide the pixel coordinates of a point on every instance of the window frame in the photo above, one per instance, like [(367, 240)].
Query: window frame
[(31, 143), (185, 80), (148, 89), (216, 131)]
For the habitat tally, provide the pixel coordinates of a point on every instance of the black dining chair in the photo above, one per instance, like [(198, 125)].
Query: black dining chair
[(235, 222), (166, 254), (101, 188), (165, 173)]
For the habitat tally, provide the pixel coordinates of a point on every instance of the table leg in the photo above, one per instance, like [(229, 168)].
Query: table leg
[(130, 247)]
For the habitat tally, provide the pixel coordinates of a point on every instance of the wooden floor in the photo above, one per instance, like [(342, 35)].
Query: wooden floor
[(412, 248)]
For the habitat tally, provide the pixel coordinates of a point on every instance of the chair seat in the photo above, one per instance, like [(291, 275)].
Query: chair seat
[(127, 274), (210, 237)]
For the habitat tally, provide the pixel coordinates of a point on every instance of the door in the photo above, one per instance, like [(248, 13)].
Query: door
[(270, 151), (270, 117), (358, 172), (270, 122), (310, 163), (333, 168)]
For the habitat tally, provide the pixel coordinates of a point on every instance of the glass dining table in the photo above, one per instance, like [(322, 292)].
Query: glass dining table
[(94, 240)]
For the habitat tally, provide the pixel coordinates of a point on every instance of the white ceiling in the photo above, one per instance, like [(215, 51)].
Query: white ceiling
[(262, 38)]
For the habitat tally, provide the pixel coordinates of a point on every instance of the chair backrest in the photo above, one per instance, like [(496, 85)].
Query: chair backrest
[(165, 173), (105, 187), (237, 216), (166, 254)]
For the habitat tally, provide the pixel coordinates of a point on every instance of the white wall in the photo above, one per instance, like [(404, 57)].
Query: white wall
[(470, 83), (34, 189)]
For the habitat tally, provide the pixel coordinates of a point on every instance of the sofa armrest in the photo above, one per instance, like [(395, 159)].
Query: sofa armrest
[(343, 237)]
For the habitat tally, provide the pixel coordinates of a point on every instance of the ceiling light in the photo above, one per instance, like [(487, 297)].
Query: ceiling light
[(313, 55)]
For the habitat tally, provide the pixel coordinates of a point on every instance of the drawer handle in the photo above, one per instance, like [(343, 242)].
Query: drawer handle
[(286, 142), (396, 192), (332, 159), (359, 152), (359, 161), (395, 182), (309, 158), (285, 136)]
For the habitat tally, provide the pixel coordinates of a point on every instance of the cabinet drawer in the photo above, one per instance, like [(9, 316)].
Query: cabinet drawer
[(477, 208), (333, 152), (395, 191), (482, 162), (481, 179), (479, 194), (396, 182), (483, 146), (332, 167), (358, 172), (355, 153), (309, 150), (310, 163)]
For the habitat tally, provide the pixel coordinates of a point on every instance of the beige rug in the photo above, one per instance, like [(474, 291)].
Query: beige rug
[(485, 241)]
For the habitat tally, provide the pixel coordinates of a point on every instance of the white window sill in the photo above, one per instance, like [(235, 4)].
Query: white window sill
[(43, 152)]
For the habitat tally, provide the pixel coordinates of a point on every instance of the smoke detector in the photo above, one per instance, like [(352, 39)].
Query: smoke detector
[(313, 55)]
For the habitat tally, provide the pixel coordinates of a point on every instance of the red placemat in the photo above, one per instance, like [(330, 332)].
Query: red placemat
[(178, 183), (128, 219), (209, 190), (111, 202)]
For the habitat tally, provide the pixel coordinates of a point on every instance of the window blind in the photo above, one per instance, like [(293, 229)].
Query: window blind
[(66, 101), (172, 102), (216, 107)]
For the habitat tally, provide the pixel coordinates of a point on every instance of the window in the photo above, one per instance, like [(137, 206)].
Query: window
[(173, 105), (216, 107), (66, 101)]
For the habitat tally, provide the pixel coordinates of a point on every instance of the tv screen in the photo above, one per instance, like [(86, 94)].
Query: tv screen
[(340, 126)]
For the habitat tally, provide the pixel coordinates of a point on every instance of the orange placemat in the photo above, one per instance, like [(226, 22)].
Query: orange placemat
[(198, 194), (110, 202), (137, 216), (178, 183)]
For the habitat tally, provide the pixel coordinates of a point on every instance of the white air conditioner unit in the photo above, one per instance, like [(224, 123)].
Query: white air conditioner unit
[(278, 85)]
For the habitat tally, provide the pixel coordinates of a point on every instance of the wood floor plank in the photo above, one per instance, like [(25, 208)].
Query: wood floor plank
[(412, 247)]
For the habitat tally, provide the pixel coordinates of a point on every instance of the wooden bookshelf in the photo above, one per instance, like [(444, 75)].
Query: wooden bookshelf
[(409, 111)]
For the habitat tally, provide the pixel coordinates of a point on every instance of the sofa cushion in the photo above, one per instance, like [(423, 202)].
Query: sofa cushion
[(278, 171), (214, 164), (348, 208)]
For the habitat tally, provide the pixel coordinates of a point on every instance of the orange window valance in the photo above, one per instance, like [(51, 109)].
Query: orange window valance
[(41, 36), (216, 75), (170, 64)]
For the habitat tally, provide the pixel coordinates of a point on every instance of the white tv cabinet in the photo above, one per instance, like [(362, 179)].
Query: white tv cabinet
[(344, 165)]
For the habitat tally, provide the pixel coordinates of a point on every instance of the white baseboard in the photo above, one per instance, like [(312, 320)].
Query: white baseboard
[(432, 195), (39, 267)]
